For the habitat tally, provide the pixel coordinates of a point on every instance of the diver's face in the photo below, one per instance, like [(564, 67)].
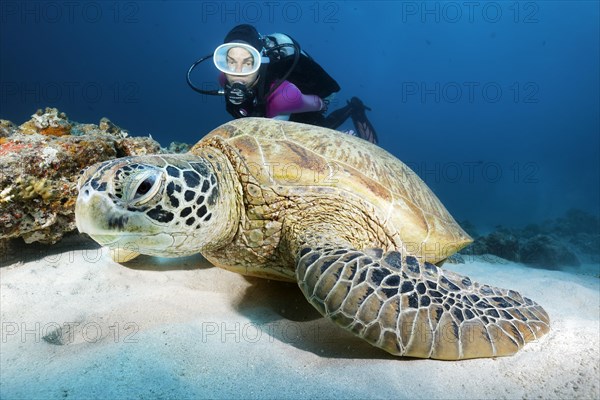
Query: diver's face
[(239, 60)]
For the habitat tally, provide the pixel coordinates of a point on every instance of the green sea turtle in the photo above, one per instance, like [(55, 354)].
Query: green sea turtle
[(355, 228)]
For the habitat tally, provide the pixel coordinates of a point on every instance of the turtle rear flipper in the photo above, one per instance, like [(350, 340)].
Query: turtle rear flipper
[(415, 309)]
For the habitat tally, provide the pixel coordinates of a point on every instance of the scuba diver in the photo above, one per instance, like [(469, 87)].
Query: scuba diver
[(270, 76)]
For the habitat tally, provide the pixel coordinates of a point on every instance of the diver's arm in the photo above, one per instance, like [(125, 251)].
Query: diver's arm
[(288, 99), (222, 79)]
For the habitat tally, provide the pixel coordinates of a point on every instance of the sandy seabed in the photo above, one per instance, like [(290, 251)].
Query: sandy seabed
[(77, 325)]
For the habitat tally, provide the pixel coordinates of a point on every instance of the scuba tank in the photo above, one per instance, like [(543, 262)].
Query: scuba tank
[(307, 74)]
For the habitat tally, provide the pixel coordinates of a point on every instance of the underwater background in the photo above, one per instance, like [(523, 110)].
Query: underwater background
[(494, 104)]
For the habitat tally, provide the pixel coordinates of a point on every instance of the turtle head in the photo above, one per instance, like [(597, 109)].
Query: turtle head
[(169, 206)]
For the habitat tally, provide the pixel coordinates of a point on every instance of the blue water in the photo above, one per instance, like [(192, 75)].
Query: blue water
[(494, 104)]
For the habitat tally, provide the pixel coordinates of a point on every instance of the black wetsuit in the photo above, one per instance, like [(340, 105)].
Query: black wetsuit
[(310, 78)]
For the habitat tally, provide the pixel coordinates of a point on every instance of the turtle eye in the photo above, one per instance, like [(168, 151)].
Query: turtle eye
[(143, 187)]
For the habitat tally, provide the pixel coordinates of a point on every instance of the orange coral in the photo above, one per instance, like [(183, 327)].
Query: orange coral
[(12, 147), (56, 130)]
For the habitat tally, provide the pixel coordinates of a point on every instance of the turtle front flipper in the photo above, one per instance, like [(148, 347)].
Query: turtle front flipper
[(122, 255), (415, 309)]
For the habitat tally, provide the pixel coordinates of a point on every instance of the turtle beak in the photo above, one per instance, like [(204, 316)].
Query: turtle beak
[(91, 213), (82, 206)]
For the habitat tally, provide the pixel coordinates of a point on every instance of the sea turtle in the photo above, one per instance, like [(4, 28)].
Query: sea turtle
[(355, 228)]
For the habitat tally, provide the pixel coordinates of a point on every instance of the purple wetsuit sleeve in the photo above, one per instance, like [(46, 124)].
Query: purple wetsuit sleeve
[(222, 79), (288, 99)]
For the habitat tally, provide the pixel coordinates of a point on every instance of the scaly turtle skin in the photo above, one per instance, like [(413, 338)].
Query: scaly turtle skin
[(355, 227)]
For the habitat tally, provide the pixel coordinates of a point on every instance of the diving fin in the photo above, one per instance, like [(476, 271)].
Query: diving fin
[(363, 126)]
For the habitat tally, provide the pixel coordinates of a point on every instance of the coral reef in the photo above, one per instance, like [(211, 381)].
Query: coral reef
[(6, 129), (502, 243), (40, 162), (565, 241), (547, 251), (178, 147), (50, 122)]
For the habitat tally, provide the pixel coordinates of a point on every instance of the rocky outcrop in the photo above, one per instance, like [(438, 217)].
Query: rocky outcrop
[(501, 243), (565, 241), (547, 251), (40, 162)]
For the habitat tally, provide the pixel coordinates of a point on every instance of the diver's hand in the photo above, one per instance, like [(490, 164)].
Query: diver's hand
[(324, 105)]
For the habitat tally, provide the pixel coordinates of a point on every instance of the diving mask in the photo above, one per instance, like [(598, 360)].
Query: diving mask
[(237, 59)]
